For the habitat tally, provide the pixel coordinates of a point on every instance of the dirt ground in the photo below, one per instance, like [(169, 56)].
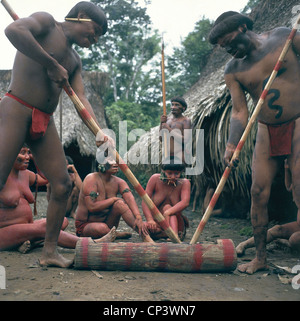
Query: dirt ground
[(27, 281)]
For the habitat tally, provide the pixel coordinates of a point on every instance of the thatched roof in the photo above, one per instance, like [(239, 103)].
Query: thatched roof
[(209, 107), (72, 128)]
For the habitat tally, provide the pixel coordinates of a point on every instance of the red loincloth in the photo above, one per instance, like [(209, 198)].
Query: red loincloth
[(39, 119), (281, 138), (80, 226)]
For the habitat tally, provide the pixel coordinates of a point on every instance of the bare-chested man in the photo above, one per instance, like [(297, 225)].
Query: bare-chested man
[(44, 63), (176, 123), (171, 195), (99, 207), (18, 229), (278, 135)]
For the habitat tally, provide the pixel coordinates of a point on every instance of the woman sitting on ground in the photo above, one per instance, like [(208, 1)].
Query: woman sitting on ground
[(17, 227)]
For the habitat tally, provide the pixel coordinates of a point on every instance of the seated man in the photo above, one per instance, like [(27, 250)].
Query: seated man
[(99, 208), (18, 230), (171, 195)]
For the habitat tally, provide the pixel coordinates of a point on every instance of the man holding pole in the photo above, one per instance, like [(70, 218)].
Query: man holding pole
[(176, 124), (278, 135), (44, 63)]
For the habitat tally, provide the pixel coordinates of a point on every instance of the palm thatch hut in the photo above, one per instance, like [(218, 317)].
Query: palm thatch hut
[(77, 140), (209, 107)]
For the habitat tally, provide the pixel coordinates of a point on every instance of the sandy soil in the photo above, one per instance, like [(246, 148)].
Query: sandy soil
[(27, 281)]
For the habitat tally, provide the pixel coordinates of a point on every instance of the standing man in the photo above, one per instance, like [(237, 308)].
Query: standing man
[(44, 63), (175, 125), (278, 135)]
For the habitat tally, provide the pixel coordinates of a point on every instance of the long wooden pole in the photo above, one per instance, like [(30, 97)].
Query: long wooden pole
[(93, 126), (245, 135), (164, 94)]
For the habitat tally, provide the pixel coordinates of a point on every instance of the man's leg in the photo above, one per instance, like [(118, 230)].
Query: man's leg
[(50, 158), (294, 165), (14, 125), (264, 169)]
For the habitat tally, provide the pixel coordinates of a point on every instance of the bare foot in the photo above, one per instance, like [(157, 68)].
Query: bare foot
[(240, 249), (25, 247), (109, 237), (28, 245), (55, 260), (252, 267)]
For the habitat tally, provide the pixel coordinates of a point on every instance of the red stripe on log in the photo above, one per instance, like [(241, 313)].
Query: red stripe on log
[(104, 254), (198, 257), (228, 253), (128, 255), (163, 256), (85, 252)]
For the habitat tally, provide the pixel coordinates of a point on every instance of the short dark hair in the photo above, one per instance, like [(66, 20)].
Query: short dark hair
[(181, 101), (172, 163), (227, 22), (92, 10)]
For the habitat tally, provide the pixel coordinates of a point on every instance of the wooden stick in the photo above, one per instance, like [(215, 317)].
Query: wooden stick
[(164, 94), (10, 10), (93, 126), (245, 135)]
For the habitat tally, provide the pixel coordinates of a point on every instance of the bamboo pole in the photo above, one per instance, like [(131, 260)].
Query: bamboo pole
[(94, 128), (164, 94), (245, 135)]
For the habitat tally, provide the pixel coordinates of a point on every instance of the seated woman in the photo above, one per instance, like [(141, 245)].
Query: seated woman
[(16, 220), (171, 195)]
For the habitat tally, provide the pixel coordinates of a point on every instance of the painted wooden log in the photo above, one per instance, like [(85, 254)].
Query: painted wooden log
[(159, 257)]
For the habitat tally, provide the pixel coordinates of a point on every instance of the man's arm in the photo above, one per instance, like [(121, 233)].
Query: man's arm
[(91, 191), (239, 115), (23, 33), (129, 198)]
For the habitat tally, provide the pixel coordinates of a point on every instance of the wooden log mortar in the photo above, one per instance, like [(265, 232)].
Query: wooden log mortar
[(158, 257)]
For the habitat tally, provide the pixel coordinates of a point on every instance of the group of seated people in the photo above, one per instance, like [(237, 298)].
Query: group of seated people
[(98, 203)]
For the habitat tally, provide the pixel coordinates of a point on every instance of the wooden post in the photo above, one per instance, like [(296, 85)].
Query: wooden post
[(157, 257)]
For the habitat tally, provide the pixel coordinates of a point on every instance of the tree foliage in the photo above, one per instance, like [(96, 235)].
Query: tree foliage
[(124, 51), (185, 65)]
